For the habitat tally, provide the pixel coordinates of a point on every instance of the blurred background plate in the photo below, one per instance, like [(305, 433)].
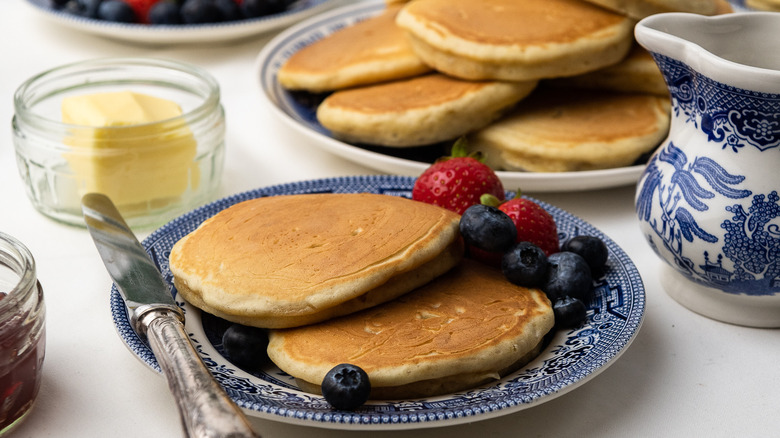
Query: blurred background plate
[(297, 109), (185, 33)]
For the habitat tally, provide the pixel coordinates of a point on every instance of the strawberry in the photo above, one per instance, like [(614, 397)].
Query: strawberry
[(141, 8), (457, 182), (534, 224)]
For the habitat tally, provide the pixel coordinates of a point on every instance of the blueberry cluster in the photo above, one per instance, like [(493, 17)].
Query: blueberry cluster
[(566, 276), (173, 11)]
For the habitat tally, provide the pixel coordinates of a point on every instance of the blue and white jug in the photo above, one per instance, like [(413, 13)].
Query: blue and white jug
[(708, 201)]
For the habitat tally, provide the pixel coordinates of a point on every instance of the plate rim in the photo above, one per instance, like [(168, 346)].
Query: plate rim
[(375, 421), (536, 182)]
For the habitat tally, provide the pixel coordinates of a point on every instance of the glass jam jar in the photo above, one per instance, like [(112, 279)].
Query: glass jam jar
[(22, 332), (153, 167)]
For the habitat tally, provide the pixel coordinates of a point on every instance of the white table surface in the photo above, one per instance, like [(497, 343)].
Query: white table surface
[(684, 375)]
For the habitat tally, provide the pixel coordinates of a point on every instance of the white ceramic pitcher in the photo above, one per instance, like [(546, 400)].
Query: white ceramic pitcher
[(708, 200)]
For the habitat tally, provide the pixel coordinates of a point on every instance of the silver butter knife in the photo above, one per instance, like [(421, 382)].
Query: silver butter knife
[(205, 408)]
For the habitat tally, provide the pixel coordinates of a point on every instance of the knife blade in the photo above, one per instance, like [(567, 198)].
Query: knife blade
[(205, 408)]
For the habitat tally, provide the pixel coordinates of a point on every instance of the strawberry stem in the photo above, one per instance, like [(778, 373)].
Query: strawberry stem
[(488, 199), (461, 149)]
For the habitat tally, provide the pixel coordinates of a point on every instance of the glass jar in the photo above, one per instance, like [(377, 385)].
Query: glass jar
[(153, 171), (22, 332)]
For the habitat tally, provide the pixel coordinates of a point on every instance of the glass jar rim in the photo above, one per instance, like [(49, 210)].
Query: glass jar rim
[(17, 257), (24, 111)]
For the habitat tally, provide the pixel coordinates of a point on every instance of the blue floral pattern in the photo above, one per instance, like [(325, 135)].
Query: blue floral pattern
[(728, 115), (683, 183), (572, 357)]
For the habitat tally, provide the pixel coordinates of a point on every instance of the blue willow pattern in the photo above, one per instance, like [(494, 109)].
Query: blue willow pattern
[(728, 117)]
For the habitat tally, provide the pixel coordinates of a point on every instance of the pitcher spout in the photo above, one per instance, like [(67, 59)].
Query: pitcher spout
[(741, 50)]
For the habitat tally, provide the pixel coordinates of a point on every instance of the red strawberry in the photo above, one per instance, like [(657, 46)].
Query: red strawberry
[(456, 182), (141, 8), (534, 224)]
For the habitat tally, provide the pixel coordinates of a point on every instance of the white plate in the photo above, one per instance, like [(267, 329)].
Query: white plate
[(184, 33), (297, 109), (572, 357)]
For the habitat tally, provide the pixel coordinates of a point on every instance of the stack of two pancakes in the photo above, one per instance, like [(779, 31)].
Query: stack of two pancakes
[(466, 64), (373, 280)]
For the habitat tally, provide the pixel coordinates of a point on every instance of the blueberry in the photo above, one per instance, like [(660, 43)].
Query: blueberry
[(525, 264), (569, 312), (592, 249), (259, 8), (58, 3), (229, 10), (346, 387), (246, 346), (82, 8), (487, 228), (164, 12), (116, 11), (200, 11), (73, 7), (568, 275)]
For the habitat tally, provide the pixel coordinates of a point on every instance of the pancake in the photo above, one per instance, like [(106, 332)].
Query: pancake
[(371, 51), (558, 130), (764, 5), (466, 328), (417, 111), (284, 261), (639, 9), (515, 39), (724, 7), (637, 72)]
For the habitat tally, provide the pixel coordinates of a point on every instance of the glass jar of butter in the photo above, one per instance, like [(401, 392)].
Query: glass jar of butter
[(22, 332), (148, 133)]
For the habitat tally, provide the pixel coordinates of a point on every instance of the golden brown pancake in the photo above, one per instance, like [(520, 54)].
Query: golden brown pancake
[(558, 130), (515, 39), (466, 328), (637, 72), (373, 50), (417, 111), (284, 261), (723, 7), (764, 5), (639, 9)]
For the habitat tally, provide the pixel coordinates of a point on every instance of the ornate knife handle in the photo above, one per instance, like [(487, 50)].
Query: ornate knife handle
[(206, 410)]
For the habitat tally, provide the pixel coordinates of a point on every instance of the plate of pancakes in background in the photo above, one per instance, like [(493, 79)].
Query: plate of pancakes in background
[(183, 33), (585, 116), (567, 359)]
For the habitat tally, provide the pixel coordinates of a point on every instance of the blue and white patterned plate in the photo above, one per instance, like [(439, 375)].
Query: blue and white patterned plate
[(571, 358), (298, 110), (179, 34)]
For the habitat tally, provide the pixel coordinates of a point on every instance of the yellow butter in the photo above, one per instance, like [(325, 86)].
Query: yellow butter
[(130, 146)]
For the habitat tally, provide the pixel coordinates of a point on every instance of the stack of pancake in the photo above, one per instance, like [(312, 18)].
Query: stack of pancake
[(427, 71), (374, 280)]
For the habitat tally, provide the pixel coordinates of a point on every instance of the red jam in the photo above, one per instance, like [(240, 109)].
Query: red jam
[(22, 333), (21, 358)]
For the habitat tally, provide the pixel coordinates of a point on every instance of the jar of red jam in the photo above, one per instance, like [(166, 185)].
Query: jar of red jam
[(22, 332)]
